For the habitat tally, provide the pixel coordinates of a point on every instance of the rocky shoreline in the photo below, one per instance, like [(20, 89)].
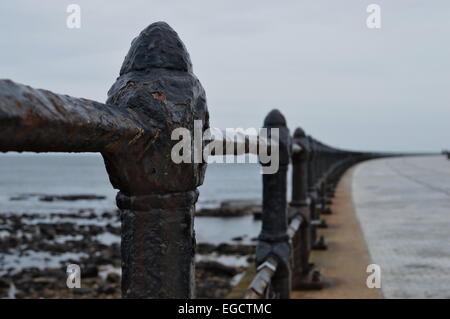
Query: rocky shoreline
[(35, 250), (233, 208)]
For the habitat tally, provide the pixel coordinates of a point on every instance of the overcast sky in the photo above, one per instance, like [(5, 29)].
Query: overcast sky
[(347, 85)]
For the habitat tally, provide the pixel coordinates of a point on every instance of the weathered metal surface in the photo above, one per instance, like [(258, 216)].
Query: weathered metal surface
[(157, 196), (274, 240), (294, 225), (312, 191), (155, 93), (300, 169), (302, 239), (156, 82), (42, 121), (259, 287), (221, 142), (316, 170)]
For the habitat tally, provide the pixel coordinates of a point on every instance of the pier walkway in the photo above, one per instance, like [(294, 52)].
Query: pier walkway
[(393, 212)]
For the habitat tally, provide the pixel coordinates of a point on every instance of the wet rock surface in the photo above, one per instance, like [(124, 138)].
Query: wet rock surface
[(226, 249), (35, 250), (51, 198), (233, 208)]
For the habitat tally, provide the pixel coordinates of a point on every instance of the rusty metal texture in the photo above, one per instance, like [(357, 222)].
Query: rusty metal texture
[(155, 93), (302, 239), (300, 169), (274, 240), (157, 196), (237, 143), (158, 84), (42, 121), (317, 169), (259, 287)]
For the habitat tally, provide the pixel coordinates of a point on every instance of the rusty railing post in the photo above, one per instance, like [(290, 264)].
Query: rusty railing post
[(324, 199), (300, 170), (312, 193), (313, 178), (302, 239), (157, 196), (274, 240)]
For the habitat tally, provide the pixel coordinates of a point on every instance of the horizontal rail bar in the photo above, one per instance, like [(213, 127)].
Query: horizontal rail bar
[(239, 143), (262, 279), (41, 121), (235, 143), (266, 270)]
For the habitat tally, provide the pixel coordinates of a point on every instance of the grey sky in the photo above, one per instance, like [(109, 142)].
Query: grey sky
[(316, 61)]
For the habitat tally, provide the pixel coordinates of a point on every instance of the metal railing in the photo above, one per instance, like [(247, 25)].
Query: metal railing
[(446, 153), (289, 231), (156, 93)]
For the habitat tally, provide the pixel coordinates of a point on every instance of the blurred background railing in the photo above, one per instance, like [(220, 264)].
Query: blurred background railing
[(289, 230)]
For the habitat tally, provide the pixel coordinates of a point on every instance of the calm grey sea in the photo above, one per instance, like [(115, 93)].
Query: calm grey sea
[(85, 174)]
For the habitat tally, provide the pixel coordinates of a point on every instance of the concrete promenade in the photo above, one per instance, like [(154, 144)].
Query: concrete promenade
[(393, 212), (403, 205), (343, 265)]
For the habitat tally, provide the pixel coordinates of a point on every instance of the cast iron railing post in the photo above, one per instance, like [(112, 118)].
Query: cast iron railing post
[(312, 192), (300, 170), (155, 93), (328, 162), (302, 239), (313, 179), (157, 195), (273, 242)]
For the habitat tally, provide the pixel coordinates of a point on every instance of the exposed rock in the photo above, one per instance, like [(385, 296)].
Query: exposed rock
[(213, 288), (113, 278), (240, 250), (232, 208), (216, 268), (213, 279), (225, 249), (89, 271), (4, 283), (205, 248), (51, 198)]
